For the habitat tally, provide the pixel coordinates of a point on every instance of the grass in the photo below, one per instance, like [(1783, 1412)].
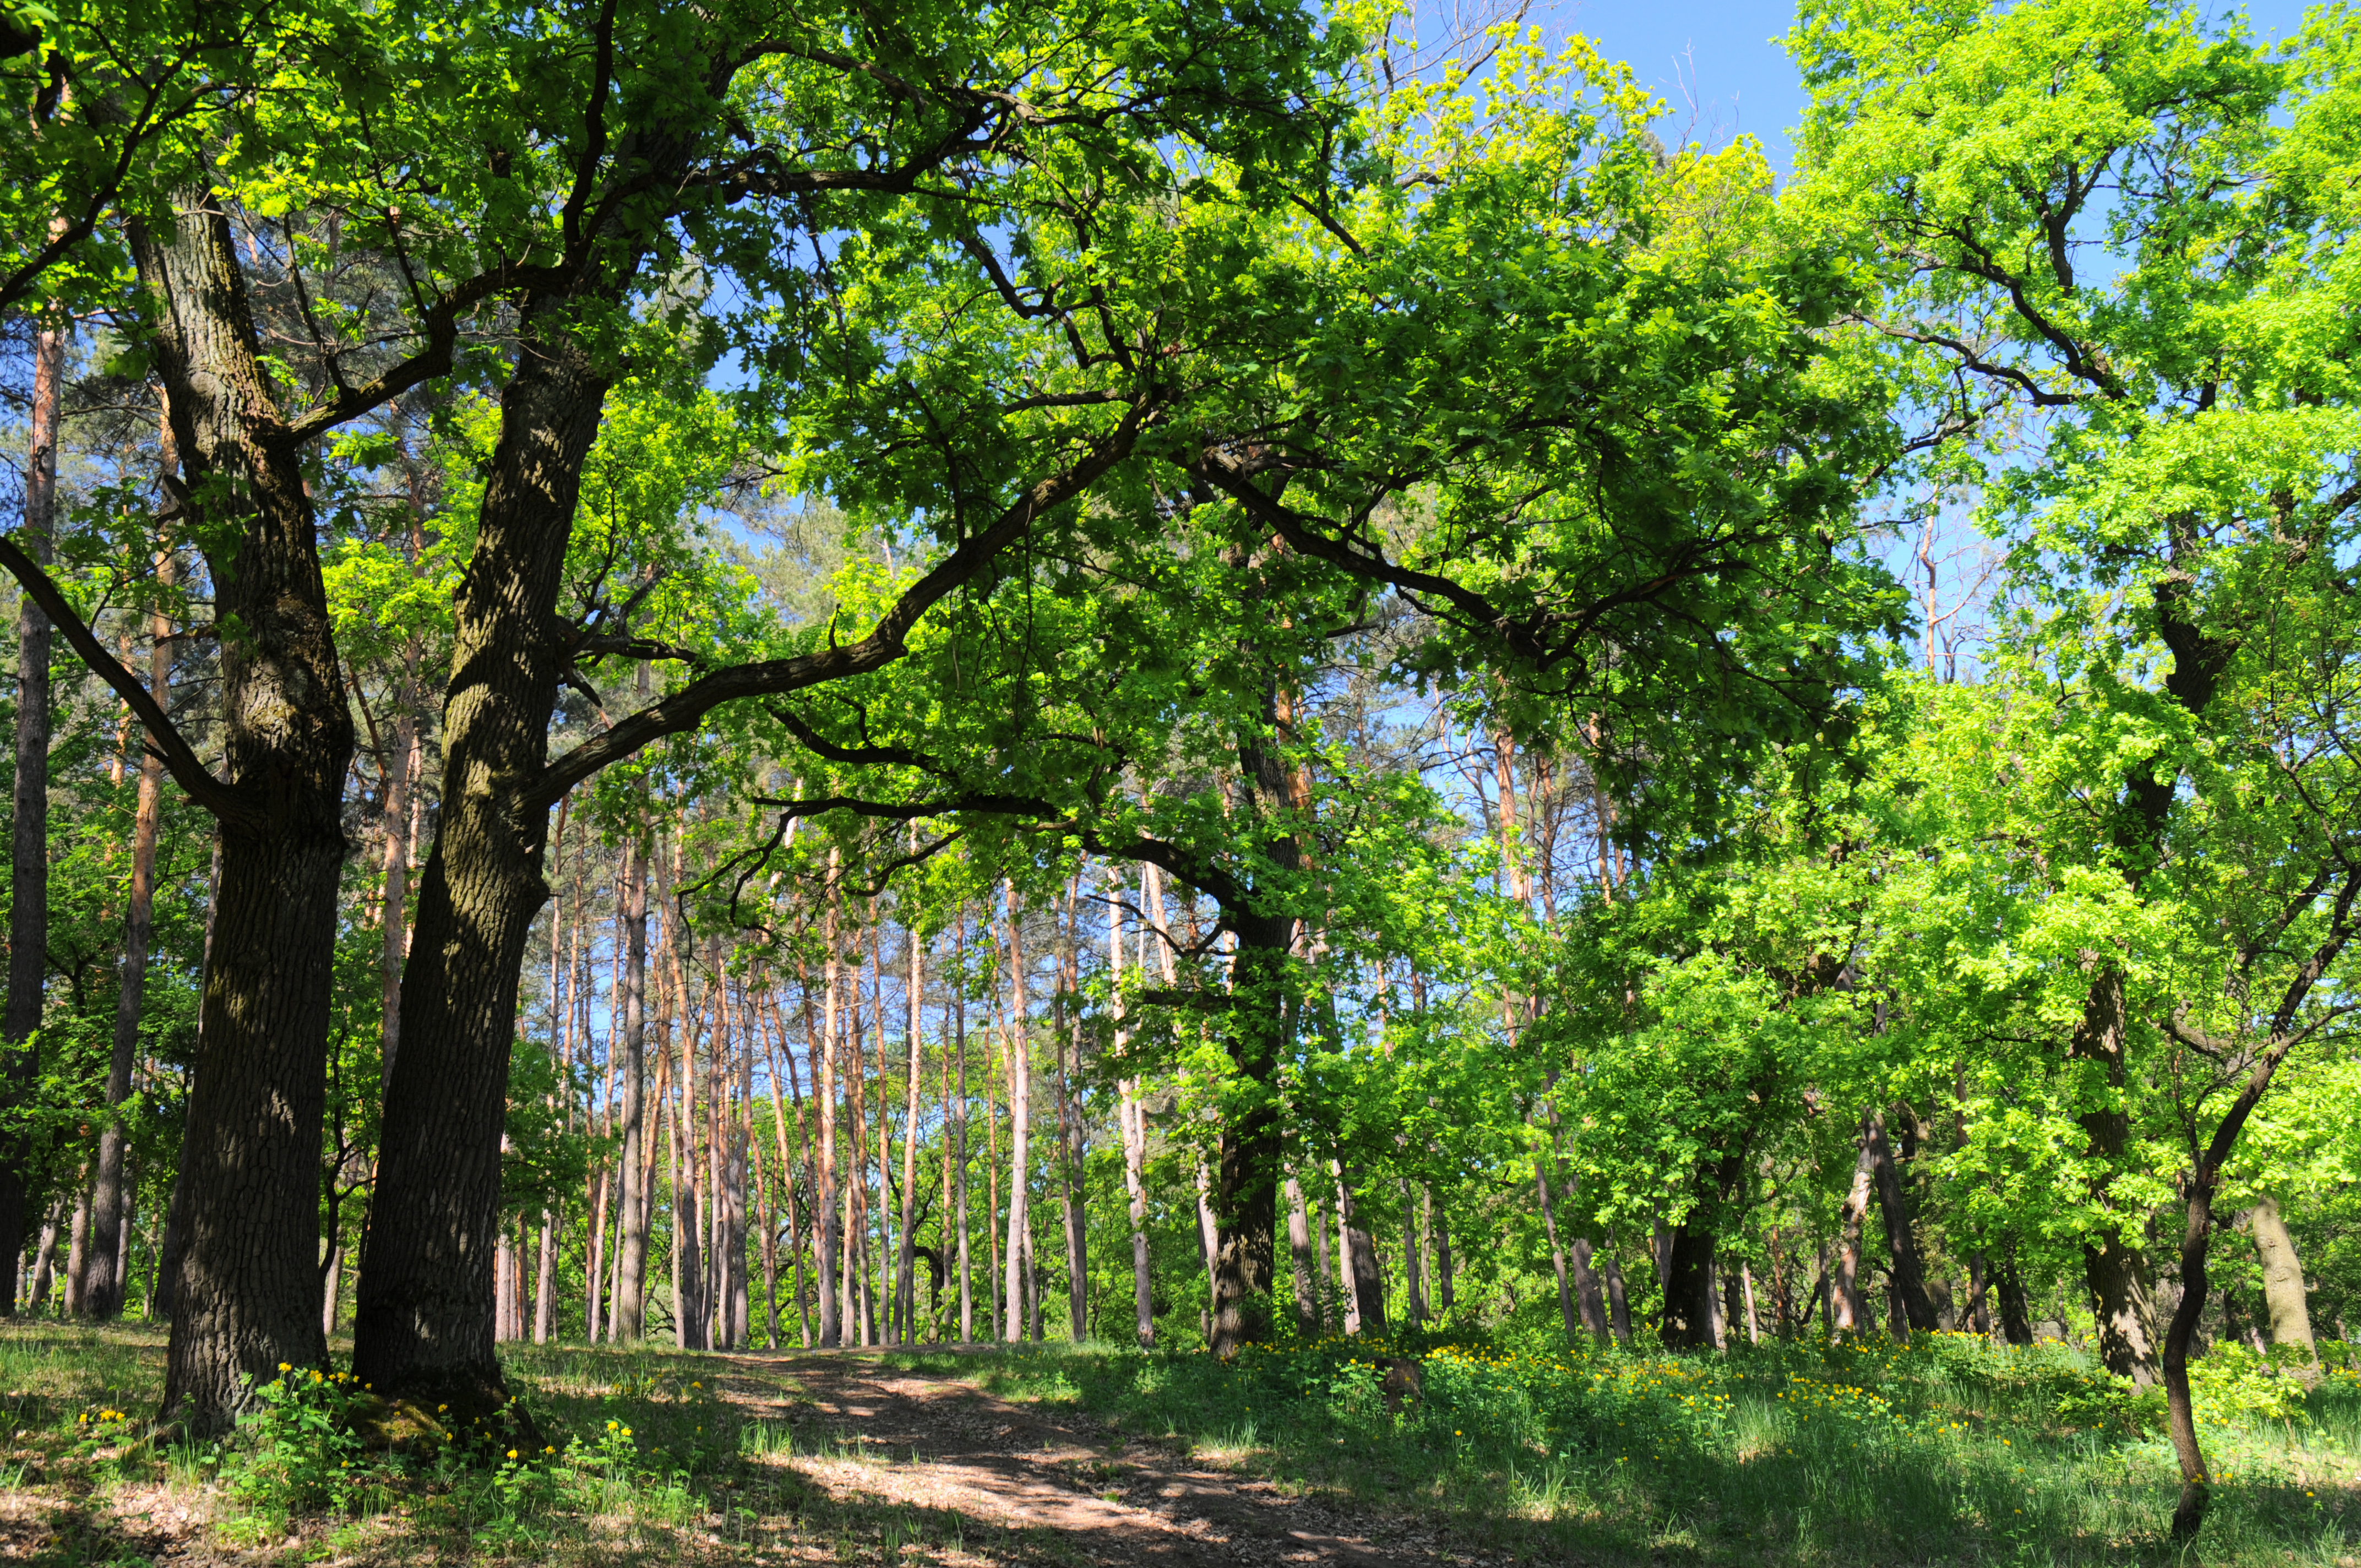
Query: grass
[(1952, 1451)]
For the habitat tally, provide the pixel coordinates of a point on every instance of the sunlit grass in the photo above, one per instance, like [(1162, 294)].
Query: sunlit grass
[(1954, 1450)]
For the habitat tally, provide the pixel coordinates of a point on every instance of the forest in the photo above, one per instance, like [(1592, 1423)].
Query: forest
[(1280, 716)]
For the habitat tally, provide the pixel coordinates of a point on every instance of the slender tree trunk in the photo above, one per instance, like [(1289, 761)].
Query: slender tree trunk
[(1069, 1123), (742, 1139), (45, 1257), (1439, 1223), (1020, 1125), (831, 1323), (958, 1026), (1901, 1237), (992, 1207), (401, 782), (78, 1242), (1131, 1124), (627, 1323), (28, 913), (1413, 1260), (1365, 1285), (1566, 1310), (102, 1286), (1299, 1247), (1845, 1298), (1618, 1303), (907, 1304)]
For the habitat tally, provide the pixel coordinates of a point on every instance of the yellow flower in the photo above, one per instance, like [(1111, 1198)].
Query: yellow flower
[(613, 1425), (286, 1367), (511, 1454)]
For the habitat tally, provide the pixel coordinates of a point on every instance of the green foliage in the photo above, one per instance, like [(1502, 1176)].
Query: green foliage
[(300, 1451)]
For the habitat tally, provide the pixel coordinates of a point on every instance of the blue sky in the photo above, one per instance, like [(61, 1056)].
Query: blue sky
[(1719, 55)]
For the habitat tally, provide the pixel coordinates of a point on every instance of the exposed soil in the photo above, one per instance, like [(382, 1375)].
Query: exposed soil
[(886, 1465), (1102, 1496)]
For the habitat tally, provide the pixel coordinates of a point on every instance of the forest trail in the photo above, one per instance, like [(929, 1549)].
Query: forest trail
[(1083, 1489)]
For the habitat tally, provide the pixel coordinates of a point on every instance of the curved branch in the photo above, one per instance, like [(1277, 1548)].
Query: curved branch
[(685, 709), (225, 800)]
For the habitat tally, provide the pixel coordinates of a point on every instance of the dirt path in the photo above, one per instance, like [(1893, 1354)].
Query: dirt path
[(1097, 1495)]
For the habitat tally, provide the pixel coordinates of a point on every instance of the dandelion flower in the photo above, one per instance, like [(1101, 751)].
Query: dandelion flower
[(511, 1454)]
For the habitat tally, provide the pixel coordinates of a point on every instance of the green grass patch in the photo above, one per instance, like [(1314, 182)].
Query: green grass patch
[(1954, 1450)]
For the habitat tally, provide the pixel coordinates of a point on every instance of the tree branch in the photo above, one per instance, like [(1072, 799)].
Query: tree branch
[(685, 709), (223, 800)]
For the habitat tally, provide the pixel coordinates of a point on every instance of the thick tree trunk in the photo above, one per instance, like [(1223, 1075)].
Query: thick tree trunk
[(423, 1320), (1901, 1236), (2015, 1312), (1586, 1292), (2283, 1289), (1619, 1303), (102, 1286), (2122, 1300), (28, 914), (248, 1295), (1247, 1174), (1368, 1280), (1689, 1316)]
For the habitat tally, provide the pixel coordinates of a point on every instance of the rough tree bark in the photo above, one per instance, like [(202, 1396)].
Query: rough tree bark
[(247, 1297), (421, 1324)]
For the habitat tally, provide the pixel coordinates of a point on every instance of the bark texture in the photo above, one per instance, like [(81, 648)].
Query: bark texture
[(423, 1318), (247, 1296)]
